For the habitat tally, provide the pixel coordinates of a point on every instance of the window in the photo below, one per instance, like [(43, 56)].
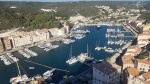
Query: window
[(140, 68)]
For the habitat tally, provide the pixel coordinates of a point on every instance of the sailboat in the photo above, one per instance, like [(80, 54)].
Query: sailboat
[(19, 78), (71, 59), (98, 48), (85, 56)]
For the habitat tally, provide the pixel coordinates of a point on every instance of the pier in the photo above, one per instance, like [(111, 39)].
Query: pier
[(7, 57), (45, 66), (114, 57)]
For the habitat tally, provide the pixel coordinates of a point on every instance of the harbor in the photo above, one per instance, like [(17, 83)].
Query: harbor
[(56, 58)]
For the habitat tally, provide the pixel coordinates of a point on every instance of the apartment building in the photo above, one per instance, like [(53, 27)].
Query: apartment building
[(105, 73)]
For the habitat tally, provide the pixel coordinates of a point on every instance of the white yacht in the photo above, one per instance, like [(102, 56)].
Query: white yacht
[(71, 59), (84, 56), (48, 74), (19, 78)]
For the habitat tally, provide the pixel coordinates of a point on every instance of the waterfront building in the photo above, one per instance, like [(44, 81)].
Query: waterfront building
[(7, 43), (133, 50), (1, 46), (142, 65), (143, 41), (127, 61), (54, 31), (43, 34), (145, 27), (62, 31), (106, 72), (143, 36), (21, 40)]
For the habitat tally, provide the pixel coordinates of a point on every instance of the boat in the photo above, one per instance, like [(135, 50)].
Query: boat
[(48, 74), (98, 48), (31, 67), (20, 78), (16, 80), (98, 26), (71, 59), (85, 56)]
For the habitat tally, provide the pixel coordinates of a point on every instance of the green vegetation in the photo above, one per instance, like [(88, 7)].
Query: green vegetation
[(27, 14), (146, 16), (143, 55)]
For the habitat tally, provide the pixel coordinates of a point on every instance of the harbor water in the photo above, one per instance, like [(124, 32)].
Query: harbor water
[(57, 58)]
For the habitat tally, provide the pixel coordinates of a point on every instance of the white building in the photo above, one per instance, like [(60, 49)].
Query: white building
[(127, 61), (134, 76), (21, 40), (142, 65), (105, 73), (133, 50), (143, 36)]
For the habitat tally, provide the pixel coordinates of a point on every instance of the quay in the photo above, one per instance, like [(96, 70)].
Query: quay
[(116, 55), (7, 57), (32, 45), (101, 23)]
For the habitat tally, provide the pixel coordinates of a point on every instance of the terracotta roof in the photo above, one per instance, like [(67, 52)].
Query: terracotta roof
[(133, 71), (107, 68), (148, 82), (127, 59), (134, 47), (145, 61), (146, 75), (143, 34)]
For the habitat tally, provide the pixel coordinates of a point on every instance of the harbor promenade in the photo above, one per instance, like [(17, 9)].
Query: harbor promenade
[(32, 45), (101, 23)]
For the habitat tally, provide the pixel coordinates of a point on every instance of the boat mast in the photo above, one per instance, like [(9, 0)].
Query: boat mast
[(71, 51), (87, 49), (18, 69)]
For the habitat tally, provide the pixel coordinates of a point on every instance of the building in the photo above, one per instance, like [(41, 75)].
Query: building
[(134, 76), (105, 73), (43, 35), (1, 46), (21, 40), (130, 75), (145, 27), (7, 43), (133, 50), (143, 36), (127, 61), (54, 31), (142, 65), (143, 41)]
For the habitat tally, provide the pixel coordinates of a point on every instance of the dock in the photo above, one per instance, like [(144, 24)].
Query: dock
[(7, 57), (127, 45), (116, 55)]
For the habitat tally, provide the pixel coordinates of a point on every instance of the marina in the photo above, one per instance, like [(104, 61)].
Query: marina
[(57, 58)]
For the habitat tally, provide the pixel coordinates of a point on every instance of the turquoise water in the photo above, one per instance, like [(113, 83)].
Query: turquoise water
[(57, 58)]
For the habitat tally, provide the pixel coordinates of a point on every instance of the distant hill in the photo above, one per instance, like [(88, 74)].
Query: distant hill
[(28, 14)]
